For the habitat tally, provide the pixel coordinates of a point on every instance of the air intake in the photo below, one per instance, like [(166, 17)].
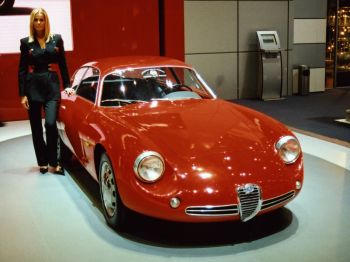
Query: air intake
[(272, 202), (249, 201), (223, 210)]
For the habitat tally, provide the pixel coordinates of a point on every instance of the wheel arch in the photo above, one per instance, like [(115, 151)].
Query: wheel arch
[(99, 150)]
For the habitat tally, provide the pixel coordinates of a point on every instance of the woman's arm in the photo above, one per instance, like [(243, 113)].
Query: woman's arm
[(23, 67), (62, 61)]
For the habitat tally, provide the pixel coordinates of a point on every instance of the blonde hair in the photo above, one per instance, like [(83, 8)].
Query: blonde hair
[(47, 33)]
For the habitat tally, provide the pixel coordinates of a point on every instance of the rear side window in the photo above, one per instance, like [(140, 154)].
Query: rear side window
[(87, 87)]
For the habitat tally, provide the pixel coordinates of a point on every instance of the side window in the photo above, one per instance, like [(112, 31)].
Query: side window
[(191, 80), (113, 90), (88, 85), (78, 75)]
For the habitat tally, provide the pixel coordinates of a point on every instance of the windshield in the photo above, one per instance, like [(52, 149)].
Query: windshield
[(144, 84)]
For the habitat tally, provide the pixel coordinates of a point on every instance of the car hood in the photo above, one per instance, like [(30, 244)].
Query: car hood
[(191, 129), (208, 143)]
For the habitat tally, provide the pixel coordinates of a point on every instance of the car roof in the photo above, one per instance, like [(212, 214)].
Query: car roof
[(109, 64)]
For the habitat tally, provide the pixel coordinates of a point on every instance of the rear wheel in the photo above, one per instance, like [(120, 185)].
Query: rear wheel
[(113, 209)]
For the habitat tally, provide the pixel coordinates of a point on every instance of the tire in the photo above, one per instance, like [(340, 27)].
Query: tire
[(114, 210), (6, 5)]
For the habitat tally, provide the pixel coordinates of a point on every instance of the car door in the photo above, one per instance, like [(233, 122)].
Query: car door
[(80, 108), (66, 125)]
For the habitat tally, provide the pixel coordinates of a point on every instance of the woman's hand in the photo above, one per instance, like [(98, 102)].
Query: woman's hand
[(24, 102), (69, 91)]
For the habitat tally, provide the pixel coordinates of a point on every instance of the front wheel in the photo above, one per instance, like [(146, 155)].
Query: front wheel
[(113, 209)]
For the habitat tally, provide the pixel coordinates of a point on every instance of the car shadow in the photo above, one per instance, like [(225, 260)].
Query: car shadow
[(165, 233), (162, 233)]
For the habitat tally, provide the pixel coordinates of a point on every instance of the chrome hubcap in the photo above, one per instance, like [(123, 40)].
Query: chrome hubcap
[(108, 189)]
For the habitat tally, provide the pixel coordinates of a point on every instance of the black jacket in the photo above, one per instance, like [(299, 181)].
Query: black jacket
[(41, 84)]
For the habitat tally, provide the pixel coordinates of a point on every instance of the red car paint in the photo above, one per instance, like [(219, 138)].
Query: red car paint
[(210, 147)]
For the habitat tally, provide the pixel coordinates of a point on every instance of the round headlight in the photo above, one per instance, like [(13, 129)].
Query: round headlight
[(149, 166), (288, 149)]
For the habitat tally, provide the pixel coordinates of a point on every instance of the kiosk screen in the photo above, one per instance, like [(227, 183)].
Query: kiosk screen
[(268, 39)]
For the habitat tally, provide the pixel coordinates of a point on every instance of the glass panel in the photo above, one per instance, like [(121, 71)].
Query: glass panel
[(127, 86), (88, 85), (343, 47), (331, 48), (77, 77)]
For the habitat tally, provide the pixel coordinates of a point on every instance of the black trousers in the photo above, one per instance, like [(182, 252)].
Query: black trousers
[(45, 151)]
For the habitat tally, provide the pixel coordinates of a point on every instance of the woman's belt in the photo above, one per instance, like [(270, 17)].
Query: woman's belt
[(42, 68)]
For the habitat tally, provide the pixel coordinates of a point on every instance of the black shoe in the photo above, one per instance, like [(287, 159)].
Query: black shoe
[(59, 170), (43, 170)]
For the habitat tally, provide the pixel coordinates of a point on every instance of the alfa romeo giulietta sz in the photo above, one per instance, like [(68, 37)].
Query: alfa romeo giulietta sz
[(159, 142)]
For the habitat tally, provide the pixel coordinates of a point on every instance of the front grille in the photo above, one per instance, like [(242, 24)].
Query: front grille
[(277, 200), (249, 204), (249, 201), (209, 210)]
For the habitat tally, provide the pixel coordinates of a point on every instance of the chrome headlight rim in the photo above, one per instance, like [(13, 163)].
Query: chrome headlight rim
[(146, 156), (280, 145)]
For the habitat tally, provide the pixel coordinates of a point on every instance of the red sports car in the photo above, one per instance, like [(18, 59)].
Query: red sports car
[(159, 142)]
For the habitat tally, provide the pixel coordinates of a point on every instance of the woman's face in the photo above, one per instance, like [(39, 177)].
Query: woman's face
[(39, 22)]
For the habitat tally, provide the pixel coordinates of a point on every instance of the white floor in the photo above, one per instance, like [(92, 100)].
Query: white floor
[(58, 218), (14, 129)]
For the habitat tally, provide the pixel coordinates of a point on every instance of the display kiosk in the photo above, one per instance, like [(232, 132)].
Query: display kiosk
[(270, 66)]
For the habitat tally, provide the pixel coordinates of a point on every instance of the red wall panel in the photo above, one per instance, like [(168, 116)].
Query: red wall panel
[(114, 28), (101, 29), (172, 29)]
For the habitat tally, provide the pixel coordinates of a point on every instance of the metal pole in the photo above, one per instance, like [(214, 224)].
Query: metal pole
[(335, 71)]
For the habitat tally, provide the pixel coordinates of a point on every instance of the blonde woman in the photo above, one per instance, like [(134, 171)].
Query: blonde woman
[(39, 86)]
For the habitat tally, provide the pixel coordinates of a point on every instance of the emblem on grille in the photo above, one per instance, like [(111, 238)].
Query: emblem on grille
[(248, 188), (249, 201)]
